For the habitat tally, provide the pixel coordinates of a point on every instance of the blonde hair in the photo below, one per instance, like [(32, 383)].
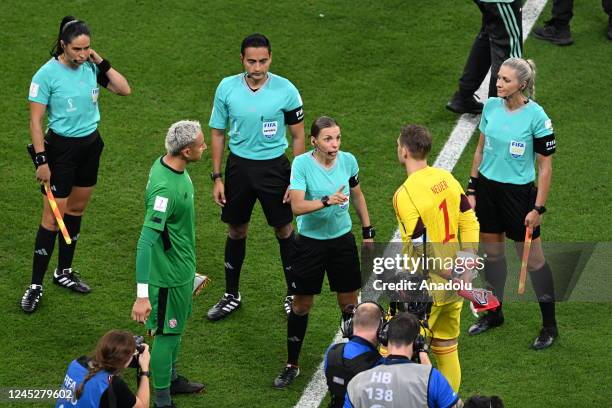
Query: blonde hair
[(525, 72)]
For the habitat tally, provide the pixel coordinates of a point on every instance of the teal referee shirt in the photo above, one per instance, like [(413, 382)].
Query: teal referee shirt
[(256, 119), (508, 154)]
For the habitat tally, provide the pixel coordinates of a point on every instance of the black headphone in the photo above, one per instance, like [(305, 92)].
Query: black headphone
[(418, 340), (346, 326)]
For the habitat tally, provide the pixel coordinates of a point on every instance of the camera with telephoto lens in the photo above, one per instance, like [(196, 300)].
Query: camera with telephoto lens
[(140, 348)]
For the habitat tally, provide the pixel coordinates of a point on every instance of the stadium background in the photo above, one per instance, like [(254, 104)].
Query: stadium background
[(373, 66)]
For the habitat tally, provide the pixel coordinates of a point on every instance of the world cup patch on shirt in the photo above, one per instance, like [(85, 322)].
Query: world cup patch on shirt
[(161, 203), (94, 95), (548, 124), (34, 89), (269, 129), (517, 149)]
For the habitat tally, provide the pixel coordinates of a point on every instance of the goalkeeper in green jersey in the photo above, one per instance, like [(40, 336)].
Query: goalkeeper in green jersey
[(165, 258)]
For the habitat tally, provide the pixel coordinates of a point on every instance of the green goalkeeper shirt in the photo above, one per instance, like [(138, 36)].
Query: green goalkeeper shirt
[(170, 210)]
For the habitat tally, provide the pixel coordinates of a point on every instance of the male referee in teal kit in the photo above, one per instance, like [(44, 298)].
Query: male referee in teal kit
[(255, 107)]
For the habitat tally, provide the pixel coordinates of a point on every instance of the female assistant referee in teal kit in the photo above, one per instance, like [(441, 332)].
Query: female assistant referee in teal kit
[(516, 134), (67, 88)]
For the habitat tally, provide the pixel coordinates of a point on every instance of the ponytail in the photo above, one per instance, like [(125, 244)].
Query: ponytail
[(530, 88), (69, 29)]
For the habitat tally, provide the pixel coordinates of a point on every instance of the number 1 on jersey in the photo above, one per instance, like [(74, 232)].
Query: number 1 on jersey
[(447, 235)]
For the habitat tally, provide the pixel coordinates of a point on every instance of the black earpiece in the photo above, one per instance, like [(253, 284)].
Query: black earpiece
[(347, 325)]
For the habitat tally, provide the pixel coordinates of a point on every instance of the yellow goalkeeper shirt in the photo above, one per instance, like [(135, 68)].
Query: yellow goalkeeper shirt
[(432, 202)]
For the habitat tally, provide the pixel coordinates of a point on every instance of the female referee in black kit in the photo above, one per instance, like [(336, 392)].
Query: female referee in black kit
[(66, 87), (515, 135)]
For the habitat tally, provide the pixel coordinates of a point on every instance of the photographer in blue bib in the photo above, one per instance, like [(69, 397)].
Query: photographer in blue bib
[(322, 181), (67, 88), (399, 381), (515, 136), (94, 381), (343, 361)]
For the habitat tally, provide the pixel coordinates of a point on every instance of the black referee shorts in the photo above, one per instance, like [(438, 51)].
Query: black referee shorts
[(502, 207), (73, 161), (249, 180), (313, 257)]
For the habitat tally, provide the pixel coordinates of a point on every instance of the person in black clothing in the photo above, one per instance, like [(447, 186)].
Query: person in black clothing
[(557, 29), (343, 361), (480, 401), (500, 37), (95, 382)]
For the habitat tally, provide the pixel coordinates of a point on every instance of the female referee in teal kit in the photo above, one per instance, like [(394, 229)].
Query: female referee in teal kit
[(67, 88), (516, 134), (322, 181)]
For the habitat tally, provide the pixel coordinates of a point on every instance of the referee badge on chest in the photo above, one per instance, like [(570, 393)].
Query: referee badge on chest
[(517, 149), (269, 129), (94, 95), (344, 205)]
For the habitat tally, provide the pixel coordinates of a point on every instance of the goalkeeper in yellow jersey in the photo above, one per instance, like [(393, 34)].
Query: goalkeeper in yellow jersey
[(431, 205)]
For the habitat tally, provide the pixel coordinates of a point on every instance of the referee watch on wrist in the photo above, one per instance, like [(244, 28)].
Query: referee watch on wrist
[(325, 201), (214, 176), (144, 374), (540, 209)]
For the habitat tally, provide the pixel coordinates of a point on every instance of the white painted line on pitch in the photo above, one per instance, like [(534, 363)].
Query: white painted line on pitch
[(447, 159)]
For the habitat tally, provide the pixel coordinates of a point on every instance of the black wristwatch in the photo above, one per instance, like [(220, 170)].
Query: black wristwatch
[(144, 374), (40, 159), (325, 201), (368, 232), (214, 176), (540, 209)]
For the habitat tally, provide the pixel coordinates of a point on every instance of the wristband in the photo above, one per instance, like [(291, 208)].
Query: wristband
[(472, 185), (214, 176), (104, 66), (540, 209), (142, 290), (368, 232), (144, 374), (40, 158)]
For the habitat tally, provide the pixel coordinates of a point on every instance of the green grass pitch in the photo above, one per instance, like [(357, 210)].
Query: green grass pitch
[(372, 65)]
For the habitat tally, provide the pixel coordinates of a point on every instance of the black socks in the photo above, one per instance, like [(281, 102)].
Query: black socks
[(495, 273), (235, 251), (296, 330), (43, 248), (66, 252), (287, 248), (544, 288)]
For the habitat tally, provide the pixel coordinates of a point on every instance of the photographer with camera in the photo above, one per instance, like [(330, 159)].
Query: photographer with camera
[(398, 381), (345, 360), (94, 381)]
